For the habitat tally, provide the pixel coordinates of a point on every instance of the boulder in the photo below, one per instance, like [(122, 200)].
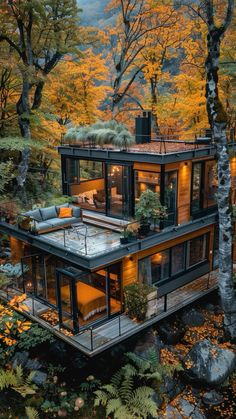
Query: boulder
[(192, 317), (184, 410), (33, 364), (170, 413), (171, 333), (189, 410), (39, 378), (20, 359), (171, 387), (212, 398), (208, 364)]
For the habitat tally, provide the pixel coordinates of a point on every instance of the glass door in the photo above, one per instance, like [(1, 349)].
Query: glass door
[(67, 301), (170, 201), (118, 191), (114, 288)]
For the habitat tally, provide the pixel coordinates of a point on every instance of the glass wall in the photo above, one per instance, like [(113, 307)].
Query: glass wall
[(100, 186), (39, 273), (173, 261), (88, 297)]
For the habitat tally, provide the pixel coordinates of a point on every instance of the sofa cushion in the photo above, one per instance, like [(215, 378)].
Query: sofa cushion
[(66, 205), (75, 211), (35, 214), (65, 213), (48, 213), (55, 222), (43, 226)]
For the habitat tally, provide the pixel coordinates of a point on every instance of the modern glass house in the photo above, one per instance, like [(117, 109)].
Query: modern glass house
[(75, 276)]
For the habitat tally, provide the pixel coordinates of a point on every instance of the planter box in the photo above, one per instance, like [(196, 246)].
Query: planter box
[(152, 304)]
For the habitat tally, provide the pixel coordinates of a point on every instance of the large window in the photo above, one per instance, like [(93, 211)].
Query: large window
[(211, 183), (146, 180), (204, 186), (178, 258), (196, 187), (72, 171), (160, 265), (173, 261), (83, 170), (196, 251)]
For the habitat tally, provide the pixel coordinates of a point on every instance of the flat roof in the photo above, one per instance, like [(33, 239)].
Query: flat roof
[(145, 153)]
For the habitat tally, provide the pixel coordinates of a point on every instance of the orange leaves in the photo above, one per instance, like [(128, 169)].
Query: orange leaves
[(168, 358), (188, 364), (11, 324), (16, 302)]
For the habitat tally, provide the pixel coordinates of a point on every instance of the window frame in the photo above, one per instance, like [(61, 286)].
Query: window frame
[(186, 268)]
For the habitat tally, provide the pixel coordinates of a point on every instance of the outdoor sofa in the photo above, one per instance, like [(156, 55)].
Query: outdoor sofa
[(43, 220)]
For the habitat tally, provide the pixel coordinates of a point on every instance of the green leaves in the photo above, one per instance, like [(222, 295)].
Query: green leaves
[(17, 382), (18, 144)]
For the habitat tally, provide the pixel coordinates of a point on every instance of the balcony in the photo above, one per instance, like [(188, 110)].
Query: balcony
[(100, 337)]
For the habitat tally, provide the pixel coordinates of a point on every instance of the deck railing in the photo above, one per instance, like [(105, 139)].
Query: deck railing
[(97, 336)]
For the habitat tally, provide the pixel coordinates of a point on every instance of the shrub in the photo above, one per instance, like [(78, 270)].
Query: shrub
[(35, 336)]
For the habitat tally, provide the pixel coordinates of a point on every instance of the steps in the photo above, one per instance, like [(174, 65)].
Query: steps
[(100, 220)]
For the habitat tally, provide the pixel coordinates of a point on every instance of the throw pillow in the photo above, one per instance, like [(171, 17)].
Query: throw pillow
[(65, 213)]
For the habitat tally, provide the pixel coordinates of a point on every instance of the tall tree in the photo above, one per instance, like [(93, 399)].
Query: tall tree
[(135, 20), (76, 90), (217, 17), (39, 32)]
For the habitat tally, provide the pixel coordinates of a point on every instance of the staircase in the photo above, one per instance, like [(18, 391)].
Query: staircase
[(100, 220)]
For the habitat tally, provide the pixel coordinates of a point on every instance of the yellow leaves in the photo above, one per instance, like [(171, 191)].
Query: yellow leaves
[(16, 302), (24, 327), (8, 341)]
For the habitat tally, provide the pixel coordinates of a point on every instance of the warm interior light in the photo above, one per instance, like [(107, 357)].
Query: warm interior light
[(157, 258)]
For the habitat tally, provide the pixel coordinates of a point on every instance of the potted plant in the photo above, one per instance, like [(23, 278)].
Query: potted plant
[(124, 238), (149, 209), (24, 222), (136, 302)]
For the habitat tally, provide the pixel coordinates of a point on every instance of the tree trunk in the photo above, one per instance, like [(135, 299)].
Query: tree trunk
[(226, 289), (38, 95), (23, 111), (153, 83), (218, 122)]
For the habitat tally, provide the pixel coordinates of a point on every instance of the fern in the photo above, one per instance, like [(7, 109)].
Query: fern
[(17, 382), (31, 413), (123, 398)]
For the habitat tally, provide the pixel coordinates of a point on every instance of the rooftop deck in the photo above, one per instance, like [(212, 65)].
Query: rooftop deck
[(102, 246), (85, 239)]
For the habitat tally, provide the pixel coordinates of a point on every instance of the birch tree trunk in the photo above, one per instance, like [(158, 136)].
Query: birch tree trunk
[(218, 122)]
